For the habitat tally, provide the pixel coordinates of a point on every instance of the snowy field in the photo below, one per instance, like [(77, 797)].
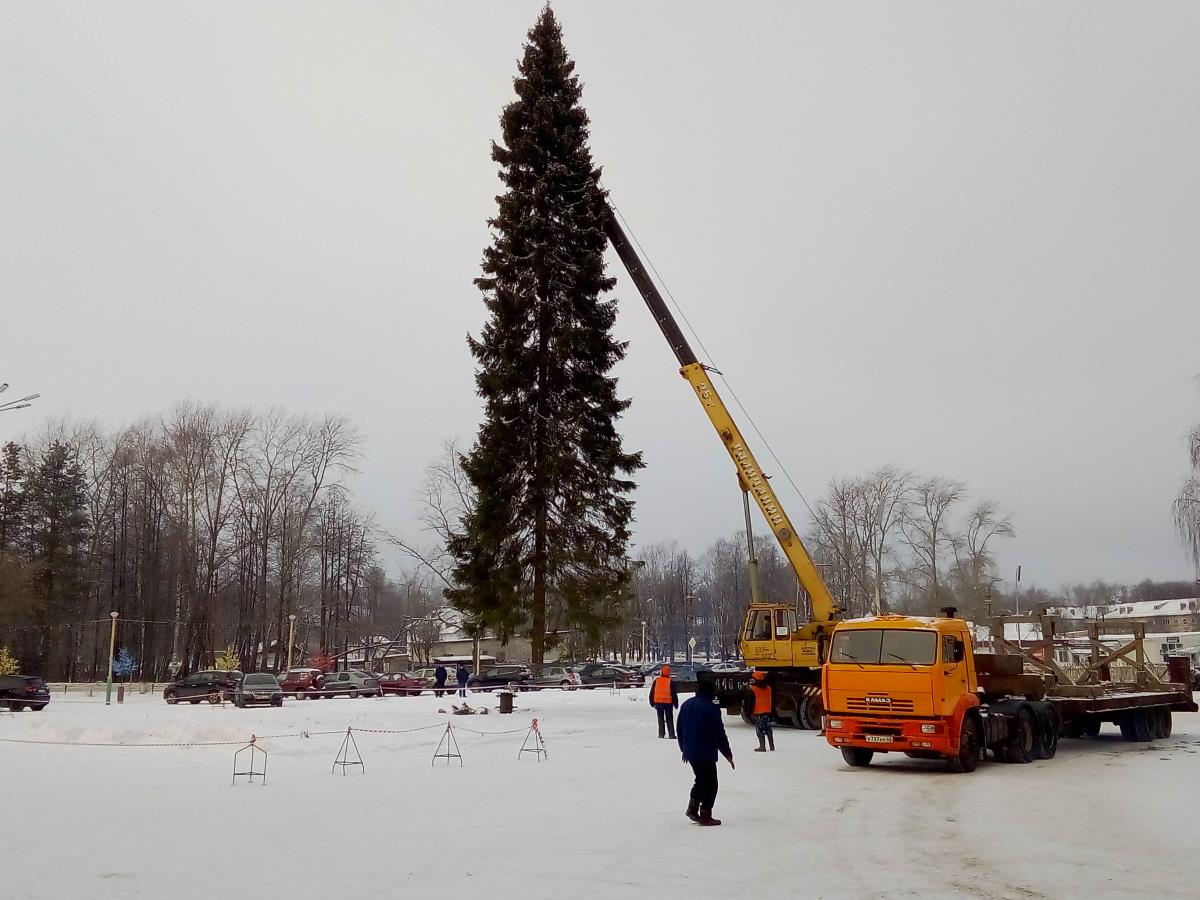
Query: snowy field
[(601, 818)]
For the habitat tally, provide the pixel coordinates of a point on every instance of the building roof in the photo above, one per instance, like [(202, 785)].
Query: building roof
[(1135, 609)]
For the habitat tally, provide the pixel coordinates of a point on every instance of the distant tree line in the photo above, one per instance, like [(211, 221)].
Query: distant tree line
[(205, 529)]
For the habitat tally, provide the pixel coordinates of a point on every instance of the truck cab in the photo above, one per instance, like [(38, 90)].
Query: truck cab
[(899, 683)]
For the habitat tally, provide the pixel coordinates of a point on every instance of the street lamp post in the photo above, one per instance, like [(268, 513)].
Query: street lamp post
[(643, 641), (19, 403), (688, 599), (112, 648), (291, 639)]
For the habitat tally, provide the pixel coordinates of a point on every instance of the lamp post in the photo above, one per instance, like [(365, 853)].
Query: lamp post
[(688, 599), (643, 641), (19, 403), (112, 647), (291, 638)]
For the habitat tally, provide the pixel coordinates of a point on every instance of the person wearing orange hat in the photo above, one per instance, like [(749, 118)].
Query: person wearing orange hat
[(664, 699), (763, 706)]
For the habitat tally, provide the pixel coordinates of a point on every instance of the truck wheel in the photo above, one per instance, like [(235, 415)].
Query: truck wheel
[(1021, 741), (970, 747), (1045, 743), (810, 713), (857, 756), (1090, 726), (1162, 723), (1073, 728)]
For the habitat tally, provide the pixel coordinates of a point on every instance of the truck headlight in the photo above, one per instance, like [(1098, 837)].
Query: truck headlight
[(929, 729), (835, 724)]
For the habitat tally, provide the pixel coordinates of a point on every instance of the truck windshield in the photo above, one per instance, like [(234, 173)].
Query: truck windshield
[(885, 646)]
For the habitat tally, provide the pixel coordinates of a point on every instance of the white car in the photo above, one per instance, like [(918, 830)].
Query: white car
[(726, 667)]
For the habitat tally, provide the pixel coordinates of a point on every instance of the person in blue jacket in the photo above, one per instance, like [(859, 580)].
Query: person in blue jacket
[(439, 680), (701, 737)]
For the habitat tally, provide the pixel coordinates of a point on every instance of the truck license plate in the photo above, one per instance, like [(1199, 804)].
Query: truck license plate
[(878, 738)]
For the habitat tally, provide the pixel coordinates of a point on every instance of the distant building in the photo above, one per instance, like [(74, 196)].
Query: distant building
[(1159, 616)]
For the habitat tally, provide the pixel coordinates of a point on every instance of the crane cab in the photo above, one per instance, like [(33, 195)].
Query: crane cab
[(771, 638)]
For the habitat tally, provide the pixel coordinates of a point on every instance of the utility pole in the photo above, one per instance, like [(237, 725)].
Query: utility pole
[(112, 648), (688, 598), (291, 639), (1017, 593)]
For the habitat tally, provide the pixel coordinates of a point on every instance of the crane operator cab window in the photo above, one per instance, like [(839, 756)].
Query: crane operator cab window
[(759, 626)]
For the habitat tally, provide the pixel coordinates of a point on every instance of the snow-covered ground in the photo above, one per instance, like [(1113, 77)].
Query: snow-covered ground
[(602, 818)]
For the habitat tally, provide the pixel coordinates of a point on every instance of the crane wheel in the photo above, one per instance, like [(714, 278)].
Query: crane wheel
[(809, 713)]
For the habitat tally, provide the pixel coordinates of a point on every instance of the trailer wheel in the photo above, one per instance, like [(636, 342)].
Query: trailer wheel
[(810, 713), (1162, 723), (1045, 744), (857, 756), (970, 746), (1022, 740), (1090, 726)]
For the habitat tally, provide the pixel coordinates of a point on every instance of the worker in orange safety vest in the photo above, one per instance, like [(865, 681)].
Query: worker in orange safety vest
[(761, 710), (664, 698)]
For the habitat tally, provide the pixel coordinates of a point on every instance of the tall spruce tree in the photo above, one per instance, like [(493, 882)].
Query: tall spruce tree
[(57, 517), (550, 528)]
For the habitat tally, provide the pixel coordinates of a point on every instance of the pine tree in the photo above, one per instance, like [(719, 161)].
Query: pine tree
[(12, 498), (124, 664), (551, 522), (55, 507)]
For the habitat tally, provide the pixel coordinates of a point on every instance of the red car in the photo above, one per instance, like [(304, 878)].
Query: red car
[(400, 684), (303, 684)]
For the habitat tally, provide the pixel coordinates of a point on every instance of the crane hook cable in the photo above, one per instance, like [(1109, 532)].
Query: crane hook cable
[(700, 343)]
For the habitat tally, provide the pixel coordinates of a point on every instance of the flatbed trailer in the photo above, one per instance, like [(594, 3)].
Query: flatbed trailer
[(940, 699)]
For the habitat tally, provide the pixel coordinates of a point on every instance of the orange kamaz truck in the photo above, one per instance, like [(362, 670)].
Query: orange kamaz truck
[(911, 685)]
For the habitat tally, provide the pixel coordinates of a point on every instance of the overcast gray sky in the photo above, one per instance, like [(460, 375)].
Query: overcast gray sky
[(959, 238)]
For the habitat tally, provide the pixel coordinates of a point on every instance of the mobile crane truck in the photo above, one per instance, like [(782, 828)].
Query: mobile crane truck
[(917, 686), (772, 639)]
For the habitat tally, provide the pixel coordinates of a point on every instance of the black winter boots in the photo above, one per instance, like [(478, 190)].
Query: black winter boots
[(693, 810), (762, 745), (771, 739), (706, 817)]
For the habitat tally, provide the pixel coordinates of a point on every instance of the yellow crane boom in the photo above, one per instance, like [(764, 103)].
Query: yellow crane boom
[(750, 474)]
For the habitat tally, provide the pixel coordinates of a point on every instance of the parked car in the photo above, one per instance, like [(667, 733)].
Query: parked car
[(258, 687), (558, 676), (303, 683), (683, 671), (727, 666), (606, 673), (401, 684), (426, 676), (652, 668), (351, 683), (19, 692), (499, 676), (212, 685)]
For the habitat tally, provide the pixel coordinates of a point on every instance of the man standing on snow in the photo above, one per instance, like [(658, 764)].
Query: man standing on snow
[(664, 699), (701, 738), (463, 674), (761, 709), (439, 680)]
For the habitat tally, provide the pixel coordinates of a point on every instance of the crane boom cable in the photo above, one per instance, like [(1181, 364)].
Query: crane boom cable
[(700, 343)]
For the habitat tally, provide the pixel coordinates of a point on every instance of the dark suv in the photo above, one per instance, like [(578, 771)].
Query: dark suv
[(19, 692), (500, 676), (212, 685)]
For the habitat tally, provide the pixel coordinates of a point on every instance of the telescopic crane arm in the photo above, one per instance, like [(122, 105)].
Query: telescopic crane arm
[(750, 475)]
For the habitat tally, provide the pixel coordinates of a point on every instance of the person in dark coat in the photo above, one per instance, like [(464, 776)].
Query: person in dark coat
[(701, 738), (665, 700), (439, 680), (463, 674)]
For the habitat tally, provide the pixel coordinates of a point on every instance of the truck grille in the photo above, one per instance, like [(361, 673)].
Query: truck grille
[(860, 704)]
